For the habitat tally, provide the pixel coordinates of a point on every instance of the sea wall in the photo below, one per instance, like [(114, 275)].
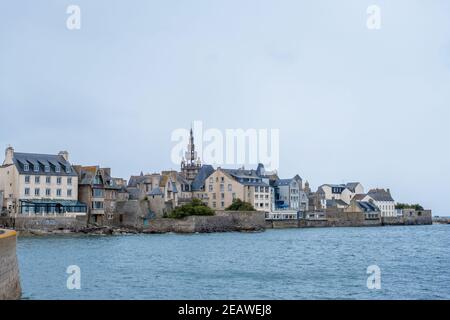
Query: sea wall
[(410, 217), (43, 224), (9, 269), (221, 222)]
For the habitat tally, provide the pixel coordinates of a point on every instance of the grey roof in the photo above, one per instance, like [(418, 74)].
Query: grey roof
[(367, 206), (246, 177), (155, 192), (352, 186), (199, 181), (42, 160), (380, 195), (283, 182)]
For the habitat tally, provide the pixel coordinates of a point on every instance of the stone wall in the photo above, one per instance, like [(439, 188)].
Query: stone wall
[(221, 222), (43, 224), (410, 217), (9, 269), (131, 213)]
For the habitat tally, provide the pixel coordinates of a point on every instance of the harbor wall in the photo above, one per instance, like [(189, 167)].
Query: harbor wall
[(9, 268)]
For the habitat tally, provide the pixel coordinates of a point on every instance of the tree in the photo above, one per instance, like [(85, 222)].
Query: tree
[(194, 208), (239, 205)]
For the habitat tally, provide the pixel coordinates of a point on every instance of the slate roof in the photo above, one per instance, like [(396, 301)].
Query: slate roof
[(380, 195), (283, 182), (156, 192), (335, 203), (352, 186), (205, 171), (367, 206), (246, 177), (359, 196), (42, 160)]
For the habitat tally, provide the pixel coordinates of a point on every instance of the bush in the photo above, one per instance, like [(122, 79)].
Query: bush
[(195, 208), (416, 206), (239, 205)]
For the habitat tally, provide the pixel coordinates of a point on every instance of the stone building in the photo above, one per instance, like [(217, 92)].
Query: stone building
[(99, 191), (383, 200), (191, 164), (39, 184), (344, 192)]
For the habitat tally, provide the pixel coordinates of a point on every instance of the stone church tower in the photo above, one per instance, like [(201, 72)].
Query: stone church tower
[(191, 164)]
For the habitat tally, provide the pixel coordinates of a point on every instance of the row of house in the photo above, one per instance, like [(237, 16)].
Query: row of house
[(40, 184)]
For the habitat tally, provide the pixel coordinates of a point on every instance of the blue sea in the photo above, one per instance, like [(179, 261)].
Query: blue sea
[(321, 263)]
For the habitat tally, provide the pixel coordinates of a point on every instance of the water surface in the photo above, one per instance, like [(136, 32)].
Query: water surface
[(322, 263)]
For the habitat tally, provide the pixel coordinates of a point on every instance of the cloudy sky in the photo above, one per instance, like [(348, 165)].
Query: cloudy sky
[(351, 104)]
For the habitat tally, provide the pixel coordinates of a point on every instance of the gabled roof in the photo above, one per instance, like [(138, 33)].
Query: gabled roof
[(42, 160), (205, 171), (156, 192), (246, 177), (335, 203), (359, 196), (352, 186), (380, 195)]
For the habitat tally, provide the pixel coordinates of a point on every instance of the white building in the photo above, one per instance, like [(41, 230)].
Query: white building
[(39, 184), (383, 200), (344, 192)]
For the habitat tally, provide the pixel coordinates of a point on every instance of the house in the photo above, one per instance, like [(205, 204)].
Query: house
[(39, 184), (99, 190), (225, 185), (289, 194), (370, 210), (344, 192), (383, 200)]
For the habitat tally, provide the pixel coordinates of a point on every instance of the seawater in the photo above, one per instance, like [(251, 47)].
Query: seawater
[(316, 263)]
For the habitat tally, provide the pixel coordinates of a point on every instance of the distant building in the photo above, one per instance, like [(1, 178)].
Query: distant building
[(344, 192), (191, 164), (370, 210), (383, 200), (99, 191), (39, 184), (225, 185)]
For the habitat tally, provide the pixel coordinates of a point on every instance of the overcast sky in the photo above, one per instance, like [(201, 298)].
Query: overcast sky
[(352, 104)]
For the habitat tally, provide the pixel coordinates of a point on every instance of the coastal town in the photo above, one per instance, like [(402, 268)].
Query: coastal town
[(41, 191)]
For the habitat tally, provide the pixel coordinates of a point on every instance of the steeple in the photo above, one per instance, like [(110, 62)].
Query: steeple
[(191, 165)]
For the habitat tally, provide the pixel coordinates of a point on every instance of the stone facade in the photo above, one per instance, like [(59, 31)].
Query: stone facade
[(9, 269)]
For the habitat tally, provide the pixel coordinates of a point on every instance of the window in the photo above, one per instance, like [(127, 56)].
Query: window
[(68, 169), (58, 180), (57, 169), (211, 180), (26, 167), (210, 188), (27, 179), (222, 204), (97, 205), (214, 204), (222, 195), (222, 187), (48, 180), (37, 192), (97, 193), (36, 168), (267, 189), (47, 168), (222, 179), (27, 191), (69, 181), (69, 192), (58, 192), (230, 187), (234, 196), (214, 196), (48, 192), (37, 179)]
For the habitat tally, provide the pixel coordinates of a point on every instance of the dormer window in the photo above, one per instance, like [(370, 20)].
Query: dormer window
[(47, 168), (68, 170), (57, 169), (26, 167), (36, 168)]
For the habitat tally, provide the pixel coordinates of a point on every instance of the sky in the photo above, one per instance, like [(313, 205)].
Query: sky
[(350, 103)]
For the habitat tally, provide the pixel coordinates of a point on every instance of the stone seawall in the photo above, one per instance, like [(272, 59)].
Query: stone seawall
[(9, 268), (39, 225), (322, 223), (221, 222), (419, 218)]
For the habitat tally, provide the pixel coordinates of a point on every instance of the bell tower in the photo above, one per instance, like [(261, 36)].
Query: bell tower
[(190, 165)]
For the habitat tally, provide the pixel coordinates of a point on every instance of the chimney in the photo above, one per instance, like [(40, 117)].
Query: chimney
[(9, 155), (64, 154)]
